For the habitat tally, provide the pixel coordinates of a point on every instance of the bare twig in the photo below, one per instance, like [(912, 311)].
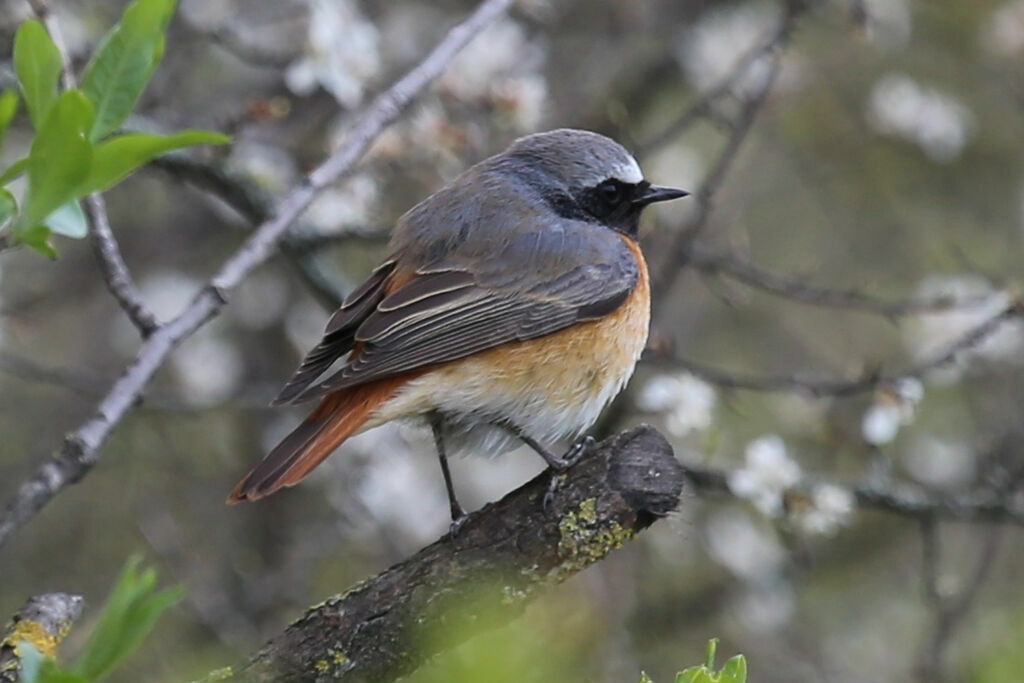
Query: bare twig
[(81, 448), (665, 273), (948, 610), (42, 623), (115, 270), (503, 556), (108, 252), (703, 107), (843, 387), (983, 506), (92, 386), (254, 204), (798, 290)]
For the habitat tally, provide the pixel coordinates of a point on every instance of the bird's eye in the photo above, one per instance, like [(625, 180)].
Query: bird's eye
[(610, 191)]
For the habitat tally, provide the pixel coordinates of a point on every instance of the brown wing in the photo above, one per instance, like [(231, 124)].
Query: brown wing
[(339, 335), (537, 284)]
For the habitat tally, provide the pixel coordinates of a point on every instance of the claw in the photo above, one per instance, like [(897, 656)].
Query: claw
[(457, 524), (549, 495), (578, 450)]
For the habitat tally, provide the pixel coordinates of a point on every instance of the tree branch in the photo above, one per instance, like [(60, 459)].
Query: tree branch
[(843, 387), (108, 252), (981, 506), (796, 289), (386, 626), (665, 272), (42, 623), (81, 448)]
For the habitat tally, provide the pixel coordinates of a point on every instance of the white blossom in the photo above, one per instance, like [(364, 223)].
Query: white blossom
[(345, 206), (764, 606), (496, 52), (501, 67), (767, 474), (710, 49), (523, 98), (888, 22), (940, 463), (167, 292), (1002, 33), (894, 406), (208, 367), (930, 334), (831, 508), (746, 549), (687, 402), (341, 52), (392, 487), (936, 122), (270, 167)]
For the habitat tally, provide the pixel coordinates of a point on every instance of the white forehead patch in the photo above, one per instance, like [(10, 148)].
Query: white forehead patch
[(628, 172)]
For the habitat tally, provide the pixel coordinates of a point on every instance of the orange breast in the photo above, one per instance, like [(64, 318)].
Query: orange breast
[(551, 386)]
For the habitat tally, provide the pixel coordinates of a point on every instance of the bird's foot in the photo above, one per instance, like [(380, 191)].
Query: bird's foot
[(459, 518), (456, 526), (578, 450), (559, 465)]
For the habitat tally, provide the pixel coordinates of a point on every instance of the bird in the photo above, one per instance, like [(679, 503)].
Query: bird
[(513, 307)]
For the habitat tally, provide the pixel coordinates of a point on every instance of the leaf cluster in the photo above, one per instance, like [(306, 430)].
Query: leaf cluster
[(734, 670), (76, 149)]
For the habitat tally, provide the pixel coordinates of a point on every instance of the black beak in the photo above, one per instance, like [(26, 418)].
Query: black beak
[(656, 193)]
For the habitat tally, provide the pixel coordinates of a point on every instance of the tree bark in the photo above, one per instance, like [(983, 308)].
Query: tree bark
[(504, 555), (42, 623)]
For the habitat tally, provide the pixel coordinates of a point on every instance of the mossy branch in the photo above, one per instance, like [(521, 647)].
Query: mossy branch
[(388, 625), (42, 623)]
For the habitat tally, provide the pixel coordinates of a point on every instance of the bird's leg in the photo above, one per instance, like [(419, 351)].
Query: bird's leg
[(557, 464), (459, 515)]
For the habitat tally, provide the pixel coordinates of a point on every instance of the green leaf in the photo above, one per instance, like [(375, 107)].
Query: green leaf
[(8, 108), (735, 670), (130, 613), (67, 220), (38, 237), (37, 63), (124, 62), (14, 170), (695, 674), (644, 678), (116, 158), (8, 206), (60, 156)]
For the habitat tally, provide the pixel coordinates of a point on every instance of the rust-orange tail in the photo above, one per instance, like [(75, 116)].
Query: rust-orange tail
[(338, 417)]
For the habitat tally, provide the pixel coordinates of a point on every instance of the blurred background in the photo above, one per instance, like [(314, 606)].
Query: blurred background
[(858, 211)]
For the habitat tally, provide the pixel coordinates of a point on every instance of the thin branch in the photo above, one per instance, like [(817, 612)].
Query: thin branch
[(981, 506), (115, 270), (948, 610), (843, 387), (664, 275), (255, 204), (703, 107), (798, 290), (108, 252), (92, 386), (503, 557), (80, 451), (42, 623)]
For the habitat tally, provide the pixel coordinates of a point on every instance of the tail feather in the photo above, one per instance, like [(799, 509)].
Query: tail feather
[(339, 416)]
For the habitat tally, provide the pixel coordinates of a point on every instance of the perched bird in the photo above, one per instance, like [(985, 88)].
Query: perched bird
[(514, 306)]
